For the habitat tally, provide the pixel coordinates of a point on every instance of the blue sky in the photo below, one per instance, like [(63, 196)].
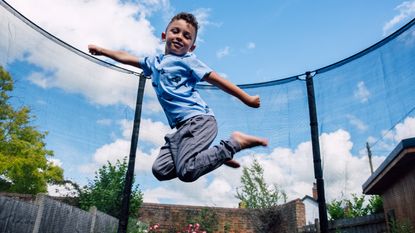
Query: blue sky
[(245, 43)]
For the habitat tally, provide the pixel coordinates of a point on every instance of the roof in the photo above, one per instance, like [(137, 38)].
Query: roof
[(309, 198), (397, 164)]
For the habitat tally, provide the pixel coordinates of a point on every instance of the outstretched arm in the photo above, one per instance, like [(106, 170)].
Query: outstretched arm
[(119, 56), (216, 80)]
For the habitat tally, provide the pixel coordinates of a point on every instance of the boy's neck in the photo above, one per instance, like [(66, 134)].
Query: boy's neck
[(173, 54)]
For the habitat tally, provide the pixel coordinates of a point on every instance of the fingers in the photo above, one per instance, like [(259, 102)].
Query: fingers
[(93, 49), (255, 101)]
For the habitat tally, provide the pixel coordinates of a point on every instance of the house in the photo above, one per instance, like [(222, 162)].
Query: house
[(311, 206), (394, 180)]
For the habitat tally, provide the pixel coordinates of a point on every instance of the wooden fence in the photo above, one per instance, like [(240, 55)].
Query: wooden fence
[(367, 224), (46, 215)]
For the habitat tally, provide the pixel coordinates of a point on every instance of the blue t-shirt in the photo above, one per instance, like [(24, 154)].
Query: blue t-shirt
[(174, 79)]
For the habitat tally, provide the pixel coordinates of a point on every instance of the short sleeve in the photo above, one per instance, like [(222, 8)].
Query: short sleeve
[(198, 68), (145, 64)]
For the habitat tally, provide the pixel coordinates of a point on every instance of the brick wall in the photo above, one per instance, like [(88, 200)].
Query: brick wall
[(19, 196), (172, 217)]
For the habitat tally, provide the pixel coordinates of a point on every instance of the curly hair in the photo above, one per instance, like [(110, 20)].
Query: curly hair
[(188, 17)]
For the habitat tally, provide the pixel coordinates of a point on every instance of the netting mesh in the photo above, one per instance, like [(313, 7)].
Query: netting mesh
[(87, 108)]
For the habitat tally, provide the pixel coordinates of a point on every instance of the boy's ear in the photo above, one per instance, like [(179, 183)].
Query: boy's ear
[(192, 48), (163, 36)]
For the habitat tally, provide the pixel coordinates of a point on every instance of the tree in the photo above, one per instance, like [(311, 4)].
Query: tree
[(24, 165), (356, 207), (256, 193), (105, 191)]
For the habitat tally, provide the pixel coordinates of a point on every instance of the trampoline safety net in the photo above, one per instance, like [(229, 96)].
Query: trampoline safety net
[(87, 107)]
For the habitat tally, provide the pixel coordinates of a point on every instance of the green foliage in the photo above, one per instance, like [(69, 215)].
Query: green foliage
[(105, 191), (136, 226), (207, 219), (375, 204), (227, 227), (336, 210), (24, 167), (356, 207), (401, 227), (255, 192)]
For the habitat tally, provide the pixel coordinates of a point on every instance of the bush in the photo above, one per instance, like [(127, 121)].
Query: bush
[(356, 207), (267, 220), (401, 227), (207, 220)]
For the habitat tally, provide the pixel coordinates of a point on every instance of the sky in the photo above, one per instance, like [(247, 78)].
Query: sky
[(245, 43)]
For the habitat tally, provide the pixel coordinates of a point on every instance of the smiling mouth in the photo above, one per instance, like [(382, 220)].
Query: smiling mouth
[(177, 44)]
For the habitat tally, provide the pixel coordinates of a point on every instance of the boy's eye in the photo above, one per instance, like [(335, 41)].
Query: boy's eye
[(188, 36), (174, 30)]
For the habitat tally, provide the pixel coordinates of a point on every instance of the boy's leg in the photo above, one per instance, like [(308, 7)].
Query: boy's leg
[(181, 145), (187, 155), (163, 167), (190, 148)]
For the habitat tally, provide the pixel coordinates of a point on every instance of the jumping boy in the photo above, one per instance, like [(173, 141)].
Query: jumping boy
[(187, 154)]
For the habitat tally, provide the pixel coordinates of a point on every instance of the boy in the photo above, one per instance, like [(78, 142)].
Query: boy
[(186, 153)]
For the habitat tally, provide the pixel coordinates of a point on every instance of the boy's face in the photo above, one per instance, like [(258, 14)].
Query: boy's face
[(179, 37)]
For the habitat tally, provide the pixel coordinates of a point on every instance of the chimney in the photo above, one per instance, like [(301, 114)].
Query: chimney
[(314, 191)]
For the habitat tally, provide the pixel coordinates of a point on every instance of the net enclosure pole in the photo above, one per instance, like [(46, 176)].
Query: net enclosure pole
[(126, 195), (318, 172)]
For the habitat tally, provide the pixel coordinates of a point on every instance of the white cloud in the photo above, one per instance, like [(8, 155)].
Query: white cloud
[(39, 79), (406, 129), (106, 22), (359, 124), (251, 45), (111, 24), (112, 152), (88, 169), (158, 5), (150, 131), (202, 16), (406, 11), (362, 93), (55, 162), (151, 103), (218, 192), (223, 52), (152, 106), (62, 190), (118, 150), (390, 138)]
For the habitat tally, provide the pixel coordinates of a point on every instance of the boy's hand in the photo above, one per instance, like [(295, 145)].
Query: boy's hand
[(94, 50), (253, 101)]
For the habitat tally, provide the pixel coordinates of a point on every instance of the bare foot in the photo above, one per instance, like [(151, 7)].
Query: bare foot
[(232, 163), (248, 141)]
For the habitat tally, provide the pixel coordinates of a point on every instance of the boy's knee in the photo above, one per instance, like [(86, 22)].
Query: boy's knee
[(187, 176), (159, 174)]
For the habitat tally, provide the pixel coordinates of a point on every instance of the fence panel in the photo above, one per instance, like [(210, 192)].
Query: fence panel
[(105, 223), (375, 223), (63, 218), (51, 216), (366, 224), (16, 216)]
